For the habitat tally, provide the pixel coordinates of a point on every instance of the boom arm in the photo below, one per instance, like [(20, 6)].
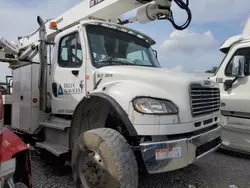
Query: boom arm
[(110, 10)]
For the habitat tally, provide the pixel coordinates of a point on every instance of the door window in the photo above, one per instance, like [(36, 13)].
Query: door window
[(243, 52), (70, 51)]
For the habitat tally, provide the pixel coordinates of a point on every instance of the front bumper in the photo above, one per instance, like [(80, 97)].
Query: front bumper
[(189, 150), (236, 138)]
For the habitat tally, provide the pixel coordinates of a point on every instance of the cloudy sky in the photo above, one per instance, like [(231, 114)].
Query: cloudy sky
[(194, 49)]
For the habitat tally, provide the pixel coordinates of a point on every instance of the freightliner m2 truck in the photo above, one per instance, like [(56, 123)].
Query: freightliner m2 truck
[(86, 85)]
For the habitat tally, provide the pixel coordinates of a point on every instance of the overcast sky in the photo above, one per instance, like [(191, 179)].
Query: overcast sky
[(194, 49)]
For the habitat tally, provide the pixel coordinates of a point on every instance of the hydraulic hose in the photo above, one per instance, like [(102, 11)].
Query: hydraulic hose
[(183, 5)]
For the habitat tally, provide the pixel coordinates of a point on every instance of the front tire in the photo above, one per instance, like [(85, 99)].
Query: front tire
[(102, 158)]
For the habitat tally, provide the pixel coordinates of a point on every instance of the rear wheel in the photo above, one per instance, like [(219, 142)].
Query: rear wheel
[(102, 158)]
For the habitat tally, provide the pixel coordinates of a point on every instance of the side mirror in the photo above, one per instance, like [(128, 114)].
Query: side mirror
[(238, 66)]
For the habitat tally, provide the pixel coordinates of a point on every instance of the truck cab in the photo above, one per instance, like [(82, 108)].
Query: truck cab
[(233, 78), (109, 76)]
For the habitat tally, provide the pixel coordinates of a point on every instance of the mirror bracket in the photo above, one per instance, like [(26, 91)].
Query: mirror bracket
[(156, 54), (229, 84)]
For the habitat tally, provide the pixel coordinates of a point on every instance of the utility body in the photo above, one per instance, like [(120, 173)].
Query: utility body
[(85, 84), (232, 77)]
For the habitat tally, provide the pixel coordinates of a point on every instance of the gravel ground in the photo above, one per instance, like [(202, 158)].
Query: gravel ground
[(217, 170)]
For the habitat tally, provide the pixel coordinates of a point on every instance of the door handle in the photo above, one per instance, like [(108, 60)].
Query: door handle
[(54, 89), (75, 72)]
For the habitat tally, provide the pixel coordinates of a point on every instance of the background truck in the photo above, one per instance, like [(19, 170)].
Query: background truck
[(86, 85), (233, 79), (15, 161)]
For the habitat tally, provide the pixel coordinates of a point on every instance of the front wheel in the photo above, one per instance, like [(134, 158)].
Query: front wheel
[(102, 158)]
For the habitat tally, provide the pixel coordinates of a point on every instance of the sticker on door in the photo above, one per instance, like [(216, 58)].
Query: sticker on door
[(70, 88)]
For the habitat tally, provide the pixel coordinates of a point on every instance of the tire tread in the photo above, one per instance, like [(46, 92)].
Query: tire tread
[(123, 156)]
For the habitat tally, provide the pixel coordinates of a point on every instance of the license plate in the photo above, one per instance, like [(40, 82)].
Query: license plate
[(167, 153)]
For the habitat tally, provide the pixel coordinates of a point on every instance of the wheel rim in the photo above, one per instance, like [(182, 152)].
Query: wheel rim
[(91, 169)]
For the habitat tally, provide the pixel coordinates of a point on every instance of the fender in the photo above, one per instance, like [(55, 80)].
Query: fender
[(123, 115), (11, 145), (126, 91), (75, 129)]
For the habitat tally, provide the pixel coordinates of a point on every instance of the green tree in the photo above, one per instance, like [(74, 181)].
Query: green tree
[(212, 70)]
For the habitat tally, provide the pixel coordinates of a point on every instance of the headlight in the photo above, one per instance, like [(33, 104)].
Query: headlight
[(154, 106)]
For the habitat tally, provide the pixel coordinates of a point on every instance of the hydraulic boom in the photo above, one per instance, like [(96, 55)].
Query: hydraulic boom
[(109, 10)]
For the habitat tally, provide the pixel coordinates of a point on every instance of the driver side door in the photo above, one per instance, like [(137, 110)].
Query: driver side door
[(68, 73)]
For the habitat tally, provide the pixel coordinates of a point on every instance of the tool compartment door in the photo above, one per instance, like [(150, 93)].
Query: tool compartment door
[(25, 103), (16, 98), (21, 113)]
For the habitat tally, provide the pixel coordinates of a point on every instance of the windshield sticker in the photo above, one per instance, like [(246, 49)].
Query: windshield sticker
[(70, 88), (93, 3)]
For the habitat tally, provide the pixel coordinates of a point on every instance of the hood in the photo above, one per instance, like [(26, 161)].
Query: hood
[(124, 83), (149, 75)]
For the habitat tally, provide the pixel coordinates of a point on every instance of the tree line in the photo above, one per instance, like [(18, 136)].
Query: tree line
[(212, 70)]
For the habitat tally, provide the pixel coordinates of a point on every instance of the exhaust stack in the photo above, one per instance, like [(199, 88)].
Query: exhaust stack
[(42, 50)]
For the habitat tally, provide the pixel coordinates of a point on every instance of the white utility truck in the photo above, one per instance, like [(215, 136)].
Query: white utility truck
[(85, 84), (233, 78)]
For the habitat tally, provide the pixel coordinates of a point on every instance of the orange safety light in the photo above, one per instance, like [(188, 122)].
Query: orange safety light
[(53, 25)]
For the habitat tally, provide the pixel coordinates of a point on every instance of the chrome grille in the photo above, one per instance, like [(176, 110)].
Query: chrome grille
[(204, 100)]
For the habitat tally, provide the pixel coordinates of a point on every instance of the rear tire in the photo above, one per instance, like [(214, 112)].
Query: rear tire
[(102, 158)]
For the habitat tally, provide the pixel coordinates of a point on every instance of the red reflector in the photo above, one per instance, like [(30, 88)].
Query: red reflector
[(35, 100)]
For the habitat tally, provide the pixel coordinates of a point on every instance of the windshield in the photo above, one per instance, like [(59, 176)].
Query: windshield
[(112, 47)]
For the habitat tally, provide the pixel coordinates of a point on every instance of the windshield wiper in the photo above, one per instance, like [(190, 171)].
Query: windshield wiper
[(116, 61)]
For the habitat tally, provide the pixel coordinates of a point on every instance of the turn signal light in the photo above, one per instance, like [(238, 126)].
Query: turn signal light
[(53, 25)]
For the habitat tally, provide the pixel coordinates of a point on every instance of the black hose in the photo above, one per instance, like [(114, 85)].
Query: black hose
[(184, 6), (170, 17)]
